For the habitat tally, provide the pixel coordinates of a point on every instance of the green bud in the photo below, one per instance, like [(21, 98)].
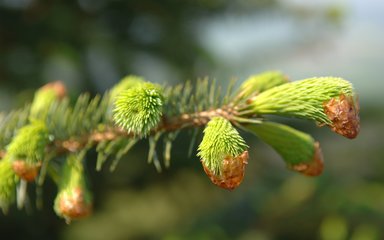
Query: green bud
[(126, 83), (301, 99), (44, 97), (8, 182), (74, 200), (221, 140), (257, 84), (139, 109), (29, 143), (299, 150)]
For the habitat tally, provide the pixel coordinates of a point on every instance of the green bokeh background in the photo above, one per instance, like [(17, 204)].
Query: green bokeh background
[(91, 44)]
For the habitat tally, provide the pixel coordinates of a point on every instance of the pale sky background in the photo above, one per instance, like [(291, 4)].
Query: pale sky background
[(241, 44), (354, 51)]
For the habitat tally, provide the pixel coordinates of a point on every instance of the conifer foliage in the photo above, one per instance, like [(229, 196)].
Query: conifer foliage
[(51, 130)]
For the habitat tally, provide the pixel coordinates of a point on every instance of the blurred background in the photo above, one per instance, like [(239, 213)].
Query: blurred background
[(91, 44)]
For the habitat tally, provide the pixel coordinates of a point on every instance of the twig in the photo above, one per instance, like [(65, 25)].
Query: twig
[(183, 121)]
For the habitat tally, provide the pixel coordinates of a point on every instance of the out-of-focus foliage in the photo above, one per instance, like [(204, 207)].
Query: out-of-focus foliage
[(98, 41), (91, 44)]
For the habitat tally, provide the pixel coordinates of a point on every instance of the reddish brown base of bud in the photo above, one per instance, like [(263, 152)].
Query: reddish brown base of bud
[(313, 168), (232, 172), (25, 170), (72, 205), (58, 87), (344, 114)]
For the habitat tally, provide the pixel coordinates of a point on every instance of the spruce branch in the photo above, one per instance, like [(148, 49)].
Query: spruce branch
[(135, 109)]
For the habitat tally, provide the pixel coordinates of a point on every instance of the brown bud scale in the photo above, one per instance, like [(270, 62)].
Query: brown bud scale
[(72, 204), (344, 114), (312, 168), (58, 87), (26, 170), (232, 171)]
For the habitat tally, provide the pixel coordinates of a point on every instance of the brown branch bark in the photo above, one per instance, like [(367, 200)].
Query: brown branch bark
[(167, 124), (183, 121)]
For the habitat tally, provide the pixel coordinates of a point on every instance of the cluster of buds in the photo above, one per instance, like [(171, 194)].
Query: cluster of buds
[(27, 149), (138, 109), (328, 101)]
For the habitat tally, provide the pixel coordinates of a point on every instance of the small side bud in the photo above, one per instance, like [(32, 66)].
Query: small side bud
[(57, 87), (314, 167), (44, 97), (343, 111), (223, 153), (72, 204), (73, 201), (27, 149)]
